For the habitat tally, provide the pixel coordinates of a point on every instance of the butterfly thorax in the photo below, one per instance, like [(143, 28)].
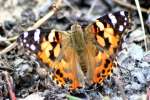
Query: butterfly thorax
[(77, 38)]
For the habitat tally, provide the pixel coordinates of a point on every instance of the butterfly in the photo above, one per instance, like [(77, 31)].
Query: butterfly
[(79, 57)]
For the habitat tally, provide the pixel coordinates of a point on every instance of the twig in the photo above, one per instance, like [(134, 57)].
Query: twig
[(69, 5), (9, 39), (9, 85), (141, 20), (148, 94), (91, 8), (120, 2), (10, 47), (57, 5)]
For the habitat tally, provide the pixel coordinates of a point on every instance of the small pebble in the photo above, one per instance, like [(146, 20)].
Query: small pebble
[(42, 72), (9, 24)]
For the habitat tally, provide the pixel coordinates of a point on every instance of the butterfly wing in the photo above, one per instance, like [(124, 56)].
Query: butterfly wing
[(107, 32), (53, 49)]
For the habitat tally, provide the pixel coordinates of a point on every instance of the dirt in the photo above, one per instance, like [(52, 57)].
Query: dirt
[(23, 76)]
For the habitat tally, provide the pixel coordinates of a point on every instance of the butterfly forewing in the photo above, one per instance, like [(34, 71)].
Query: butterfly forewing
[(30, 40)]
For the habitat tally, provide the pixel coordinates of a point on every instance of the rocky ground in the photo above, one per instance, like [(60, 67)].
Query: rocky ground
[(24, 78)]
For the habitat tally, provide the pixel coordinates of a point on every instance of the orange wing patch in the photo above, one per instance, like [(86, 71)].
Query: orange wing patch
[(102, 70)]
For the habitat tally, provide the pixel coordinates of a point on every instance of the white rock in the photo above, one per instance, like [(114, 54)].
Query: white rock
[(34, 96), (148, 78), (136, 35), (135, 51), (139, 75), (133, 86), (116, 98), (147, 57), (23, 69), (138, 97), (144, 64)]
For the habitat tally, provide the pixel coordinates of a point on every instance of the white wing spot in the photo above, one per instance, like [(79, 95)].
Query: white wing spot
[(21, 44), (100, 25), (51, 36), (37, 35), (25, 34), (32, 47), (122, 13), (125, 18), (27, 45), (112, 18), (24, 40), (121, 28), (125, 23)]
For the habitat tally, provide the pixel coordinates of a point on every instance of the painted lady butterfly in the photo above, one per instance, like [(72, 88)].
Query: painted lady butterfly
[(82, 56)]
